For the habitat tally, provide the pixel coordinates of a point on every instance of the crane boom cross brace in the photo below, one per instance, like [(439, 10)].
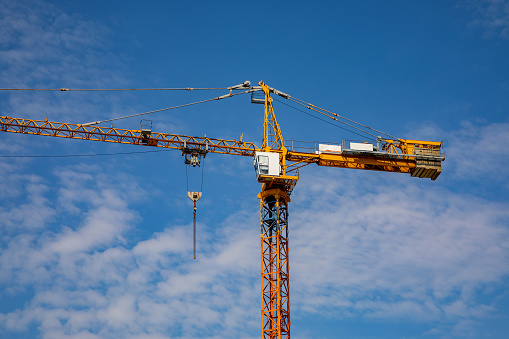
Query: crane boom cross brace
[(277, 168)]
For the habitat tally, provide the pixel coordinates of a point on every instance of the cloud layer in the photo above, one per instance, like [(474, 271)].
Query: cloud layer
[(361, 245), (73, 263), (90, 281), (491, 15), (42, 47)]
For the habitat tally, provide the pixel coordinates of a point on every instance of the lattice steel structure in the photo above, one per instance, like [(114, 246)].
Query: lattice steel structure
[(417, 158), (275, 266)]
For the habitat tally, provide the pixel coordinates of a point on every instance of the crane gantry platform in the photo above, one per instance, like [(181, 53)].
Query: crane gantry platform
[(277, 168)]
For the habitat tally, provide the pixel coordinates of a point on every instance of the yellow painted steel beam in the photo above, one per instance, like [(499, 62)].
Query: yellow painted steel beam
[(272, 135), (411, 147), (417, 142), (390, 162), (354, 161), (124, 136)]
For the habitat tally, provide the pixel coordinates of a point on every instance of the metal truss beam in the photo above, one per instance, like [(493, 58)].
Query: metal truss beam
[(275, 284)]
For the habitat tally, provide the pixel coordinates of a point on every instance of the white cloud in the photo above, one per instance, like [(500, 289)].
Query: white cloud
[(479, 150), (492, 15), (42, 47), (361, 245), (89, 282), (101, 227), (120, 312), (33, 31), (17, 216), (388, 248), (475, 151)]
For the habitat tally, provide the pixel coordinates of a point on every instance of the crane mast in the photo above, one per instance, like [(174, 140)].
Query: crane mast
[(277, 168), (274, 199)]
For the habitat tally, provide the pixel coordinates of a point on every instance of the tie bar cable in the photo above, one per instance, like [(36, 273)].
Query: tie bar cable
[(326, 121), (322, 111), (63, 89), (166, 109)]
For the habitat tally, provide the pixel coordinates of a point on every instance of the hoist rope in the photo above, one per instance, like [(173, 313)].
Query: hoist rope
[(168, 108), (194, 203), (202, 170), (194, 230), (187, 180)]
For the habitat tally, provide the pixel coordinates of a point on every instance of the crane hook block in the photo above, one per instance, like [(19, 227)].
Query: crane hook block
[(194, 196)]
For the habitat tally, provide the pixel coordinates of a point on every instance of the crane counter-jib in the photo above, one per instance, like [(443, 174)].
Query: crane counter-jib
[(417, 167)]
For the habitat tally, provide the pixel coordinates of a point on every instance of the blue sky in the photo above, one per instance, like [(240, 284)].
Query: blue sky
[(101, 247)]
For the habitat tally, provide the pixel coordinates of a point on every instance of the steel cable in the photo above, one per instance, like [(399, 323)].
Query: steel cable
[(80, 155), (113, 89), (166, 109), (326, 121), (318, 109)]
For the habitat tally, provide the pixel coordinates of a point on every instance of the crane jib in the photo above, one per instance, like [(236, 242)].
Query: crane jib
[(423, 161)]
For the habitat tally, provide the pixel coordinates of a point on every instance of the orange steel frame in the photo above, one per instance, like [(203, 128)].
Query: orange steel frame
[(275, 284), (274, 197)]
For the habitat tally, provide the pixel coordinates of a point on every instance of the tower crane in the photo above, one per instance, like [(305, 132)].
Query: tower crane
[(277, 168)]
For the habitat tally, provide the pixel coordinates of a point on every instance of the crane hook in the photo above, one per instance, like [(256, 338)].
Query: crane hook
[(194, 196)]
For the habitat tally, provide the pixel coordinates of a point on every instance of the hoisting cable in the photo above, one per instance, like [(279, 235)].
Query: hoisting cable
[(326, 121), (194, 229), (166, 109), (195, 196), (202, 170), (202, 165)]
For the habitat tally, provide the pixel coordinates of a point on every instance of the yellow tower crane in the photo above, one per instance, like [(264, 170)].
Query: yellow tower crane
[(276, 166)]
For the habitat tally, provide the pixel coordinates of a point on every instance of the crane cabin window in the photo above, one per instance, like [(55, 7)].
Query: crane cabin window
[(267, 163), (263, 164)]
